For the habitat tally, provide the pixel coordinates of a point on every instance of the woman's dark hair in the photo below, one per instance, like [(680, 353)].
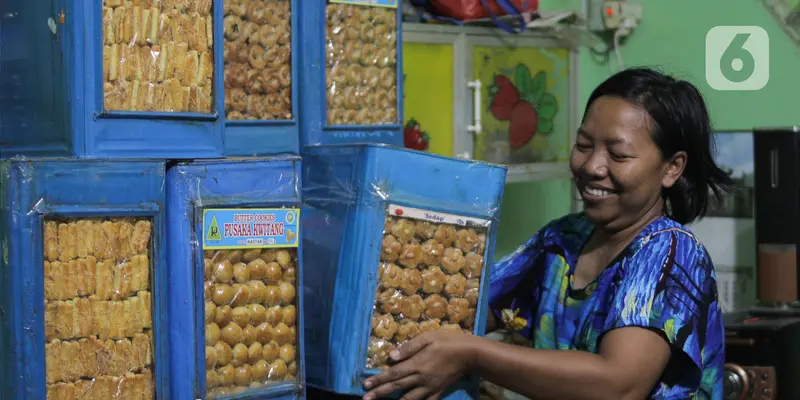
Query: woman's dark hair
[(680, 122)]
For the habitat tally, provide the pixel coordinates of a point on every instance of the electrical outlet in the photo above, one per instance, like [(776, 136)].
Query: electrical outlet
[(608, 15), (612, 14)]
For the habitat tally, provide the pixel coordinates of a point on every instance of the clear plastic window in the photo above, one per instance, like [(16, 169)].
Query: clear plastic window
[(258, 60), (250, 319), (361, 66), (429, 279), (158, 55), (98, 308)]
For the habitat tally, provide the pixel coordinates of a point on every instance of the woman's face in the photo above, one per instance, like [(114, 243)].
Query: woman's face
[(618, 169)]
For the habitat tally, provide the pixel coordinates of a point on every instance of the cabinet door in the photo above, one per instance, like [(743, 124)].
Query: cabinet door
[(526, 93), (434, 59), (527, 97), (428, 88)]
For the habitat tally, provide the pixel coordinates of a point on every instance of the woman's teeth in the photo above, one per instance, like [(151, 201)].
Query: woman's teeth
[(597, 192)]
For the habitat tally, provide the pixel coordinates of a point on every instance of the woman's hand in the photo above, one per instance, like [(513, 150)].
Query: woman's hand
[(424, 366)]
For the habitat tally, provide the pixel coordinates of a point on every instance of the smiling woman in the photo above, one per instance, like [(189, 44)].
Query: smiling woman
[(624, 282), (611, 153)]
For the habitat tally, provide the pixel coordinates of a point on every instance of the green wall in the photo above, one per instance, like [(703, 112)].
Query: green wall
[(527, 207), (671, 37)]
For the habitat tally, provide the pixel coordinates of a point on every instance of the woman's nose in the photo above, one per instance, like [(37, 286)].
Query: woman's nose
[(596, 166)]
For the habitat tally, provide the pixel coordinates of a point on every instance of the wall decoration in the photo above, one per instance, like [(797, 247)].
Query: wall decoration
[(526, 119), (414, 137), (524, 104)]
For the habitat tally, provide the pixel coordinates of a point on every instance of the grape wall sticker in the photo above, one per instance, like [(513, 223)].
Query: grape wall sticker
[(525, 103)]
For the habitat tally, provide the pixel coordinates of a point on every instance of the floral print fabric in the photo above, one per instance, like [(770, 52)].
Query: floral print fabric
[(664, 280)]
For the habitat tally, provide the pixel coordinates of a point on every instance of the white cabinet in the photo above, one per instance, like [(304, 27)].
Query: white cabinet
[(514, 97)]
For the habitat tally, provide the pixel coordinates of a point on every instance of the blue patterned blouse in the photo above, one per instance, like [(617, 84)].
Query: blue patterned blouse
[(664, 280)]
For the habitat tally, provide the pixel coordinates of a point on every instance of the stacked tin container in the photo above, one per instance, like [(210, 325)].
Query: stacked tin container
[(395, 241), (144, 258), (155, 240)]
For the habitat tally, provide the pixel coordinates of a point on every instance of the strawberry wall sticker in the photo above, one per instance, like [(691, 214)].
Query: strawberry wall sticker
[(504, 96), (414, 137), (525, 103)]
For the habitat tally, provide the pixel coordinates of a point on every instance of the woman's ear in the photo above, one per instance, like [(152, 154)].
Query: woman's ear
[(674, 169)]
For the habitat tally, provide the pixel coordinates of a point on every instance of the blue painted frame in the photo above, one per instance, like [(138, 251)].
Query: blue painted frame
[(259, 138), (32, 72), (191, 187), (33, 190), (347, 191), (85, 129), (314, 128)]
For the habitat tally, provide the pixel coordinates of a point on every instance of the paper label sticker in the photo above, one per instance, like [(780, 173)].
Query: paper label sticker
[(436, 217), (372, 3), (245, 228)]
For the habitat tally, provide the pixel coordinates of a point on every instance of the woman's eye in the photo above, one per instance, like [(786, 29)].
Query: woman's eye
[(617, 156), (583, 146)]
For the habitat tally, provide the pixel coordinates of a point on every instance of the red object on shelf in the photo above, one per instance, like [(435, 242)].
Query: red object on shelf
[(465, 10), (414, 138)]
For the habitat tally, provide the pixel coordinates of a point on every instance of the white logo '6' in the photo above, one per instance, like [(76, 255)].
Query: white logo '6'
[(737, 58)]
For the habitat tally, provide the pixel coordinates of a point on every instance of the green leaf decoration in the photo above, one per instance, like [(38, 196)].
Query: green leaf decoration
[(545, 126), (538, 86), (548, 106), (528, 98), (522, 78)]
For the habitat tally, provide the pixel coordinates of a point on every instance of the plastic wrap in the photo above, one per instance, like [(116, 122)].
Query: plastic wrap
[(361, 64), (241, 269), (429, 278), (158, 55), (112, 79), (250, 317), (258, 59), (98, 308), (80, 279), (395, 243)]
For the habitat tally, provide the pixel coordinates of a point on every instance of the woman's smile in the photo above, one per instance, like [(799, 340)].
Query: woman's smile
[(593, 193)]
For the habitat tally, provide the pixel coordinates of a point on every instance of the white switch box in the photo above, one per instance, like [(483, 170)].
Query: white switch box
[(612, 14)]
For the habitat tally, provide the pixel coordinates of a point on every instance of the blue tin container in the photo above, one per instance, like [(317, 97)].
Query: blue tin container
[(351, 69), (236, 314), (83, 279), (261, 85), (415, 227), (112, 79)]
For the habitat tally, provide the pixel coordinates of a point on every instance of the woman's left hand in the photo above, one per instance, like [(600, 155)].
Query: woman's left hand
[(424, 366)]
